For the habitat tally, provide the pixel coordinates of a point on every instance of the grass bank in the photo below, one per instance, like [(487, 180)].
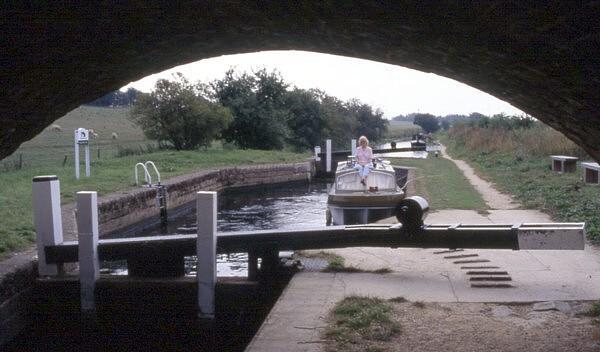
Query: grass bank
[(443, 184), (109, 175), (527, 176)]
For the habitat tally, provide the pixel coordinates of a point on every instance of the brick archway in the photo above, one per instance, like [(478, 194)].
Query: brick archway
[(542, 59)]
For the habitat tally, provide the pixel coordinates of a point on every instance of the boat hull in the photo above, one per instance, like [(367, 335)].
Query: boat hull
[(358, 215), (351, 201)]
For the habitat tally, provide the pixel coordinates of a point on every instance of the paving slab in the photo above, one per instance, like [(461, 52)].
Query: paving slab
[(296, 321)]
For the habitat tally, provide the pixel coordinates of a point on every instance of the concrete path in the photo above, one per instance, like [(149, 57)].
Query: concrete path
[(296, 321)]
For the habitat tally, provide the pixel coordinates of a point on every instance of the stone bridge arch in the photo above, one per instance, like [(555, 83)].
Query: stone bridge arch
[(541, 57)]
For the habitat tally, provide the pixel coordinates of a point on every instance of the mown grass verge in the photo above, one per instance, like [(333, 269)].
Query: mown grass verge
[(443, 184), (107, 176), (564, 196), (360, 323)]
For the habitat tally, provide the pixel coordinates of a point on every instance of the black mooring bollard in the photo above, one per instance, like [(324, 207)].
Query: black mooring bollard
[(410, 212)]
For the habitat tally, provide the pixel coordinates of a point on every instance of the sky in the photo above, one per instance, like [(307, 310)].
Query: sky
[(395, 90)]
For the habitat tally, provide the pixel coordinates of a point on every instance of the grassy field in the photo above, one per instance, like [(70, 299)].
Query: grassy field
[(443, 184), (530, 180), (50, 147)]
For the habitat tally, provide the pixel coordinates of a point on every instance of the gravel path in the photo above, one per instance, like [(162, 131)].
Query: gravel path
[(493, 198)]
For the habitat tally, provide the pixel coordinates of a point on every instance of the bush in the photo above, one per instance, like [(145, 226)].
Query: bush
[(428, 122), (176, 113)]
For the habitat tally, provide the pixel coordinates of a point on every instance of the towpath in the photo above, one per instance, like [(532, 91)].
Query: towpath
[(493, 198), (297, 320)]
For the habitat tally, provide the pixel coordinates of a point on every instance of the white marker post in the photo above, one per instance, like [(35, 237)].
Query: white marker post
[(328, 155), (87, 160), (81, 136), (89, 267), (47, 219), (206, 249), (317, 152), (76, 159), (353, 146)]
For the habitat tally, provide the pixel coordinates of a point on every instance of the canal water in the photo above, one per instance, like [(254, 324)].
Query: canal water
[(287, 206)]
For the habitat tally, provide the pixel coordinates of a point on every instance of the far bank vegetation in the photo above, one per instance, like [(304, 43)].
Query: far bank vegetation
[(258, 110)]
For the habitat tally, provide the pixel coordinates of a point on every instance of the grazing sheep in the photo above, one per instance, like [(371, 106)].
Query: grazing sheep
[(115, 135), (55, 128), (93, 134)]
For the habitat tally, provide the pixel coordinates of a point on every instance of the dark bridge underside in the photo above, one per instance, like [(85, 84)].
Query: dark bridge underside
[(542, 58)]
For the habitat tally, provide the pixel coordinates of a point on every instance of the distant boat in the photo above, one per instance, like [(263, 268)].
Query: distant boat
[(350, 202)]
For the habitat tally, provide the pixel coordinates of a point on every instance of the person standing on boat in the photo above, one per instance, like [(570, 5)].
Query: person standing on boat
[(364, 159)]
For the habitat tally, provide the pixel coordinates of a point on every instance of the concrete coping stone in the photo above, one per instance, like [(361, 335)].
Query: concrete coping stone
[(591, 165), (563, 157), (45, 178)]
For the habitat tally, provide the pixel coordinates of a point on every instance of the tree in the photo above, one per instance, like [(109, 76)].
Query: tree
[(370, 123), (174, 112), (306, 121), (428, 122), (258, 105), (445, 125), (268, 115), (340, 126)]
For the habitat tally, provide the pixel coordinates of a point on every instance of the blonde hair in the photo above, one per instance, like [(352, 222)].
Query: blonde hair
[(363, 138)]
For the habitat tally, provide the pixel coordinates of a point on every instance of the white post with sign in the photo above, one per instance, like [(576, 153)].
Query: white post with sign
[(82, 137)]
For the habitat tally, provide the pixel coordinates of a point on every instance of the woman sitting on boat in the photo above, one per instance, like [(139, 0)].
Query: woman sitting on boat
[(364, 159)]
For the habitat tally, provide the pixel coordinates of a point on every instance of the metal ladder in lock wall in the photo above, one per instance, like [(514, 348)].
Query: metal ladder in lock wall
[(161, 191)]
